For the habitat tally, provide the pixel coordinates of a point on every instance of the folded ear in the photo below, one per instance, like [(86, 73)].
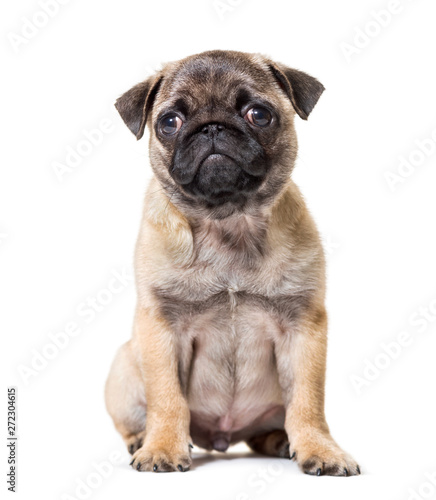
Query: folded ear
[(302, 89), (135, 105)]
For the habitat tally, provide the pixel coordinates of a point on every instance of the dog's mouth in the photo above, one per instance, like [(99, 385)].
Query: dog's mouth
[(215, 159), (220, 179)]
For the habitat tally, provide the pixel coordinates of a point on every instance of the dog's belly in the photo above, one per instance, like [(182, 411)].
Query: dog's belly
[(233, 388)]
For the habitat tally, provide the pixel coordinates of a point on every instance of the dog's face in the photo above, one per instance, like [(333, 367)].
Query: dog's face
[(222, 135)]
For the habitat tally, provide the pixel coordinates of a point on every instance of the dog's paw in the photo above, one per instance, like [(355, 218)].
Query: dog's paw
[(330, 465), (173, 458), (274, 443), (135, 442), (321, 456)]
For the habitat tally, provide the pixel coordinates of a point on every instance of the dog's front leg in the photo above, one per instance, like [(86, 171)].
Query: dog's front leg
[(301, 363), (166, 444)]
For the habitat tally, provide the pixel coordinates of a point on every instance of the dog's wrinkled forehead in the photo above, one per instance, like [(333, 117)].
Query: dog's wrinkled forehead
[(216, 79)]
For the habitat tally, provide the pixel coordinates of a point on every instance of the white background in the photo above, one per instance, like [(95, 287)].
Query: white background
[(61, 240)]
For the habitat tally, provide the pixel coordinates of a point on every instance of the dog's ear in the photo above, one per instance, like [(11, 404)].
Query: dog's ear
[(134, 105), (302, 89)]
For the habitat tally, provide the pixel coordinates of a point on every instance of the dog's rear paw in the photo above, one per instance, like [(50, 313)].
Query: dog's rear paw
[(162, 460), (135, 442), (274, 443)]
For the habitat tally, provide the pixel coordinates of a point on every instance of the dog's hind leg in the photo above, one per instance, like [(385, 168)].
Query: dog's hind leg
[(273, 443), (125, 398)]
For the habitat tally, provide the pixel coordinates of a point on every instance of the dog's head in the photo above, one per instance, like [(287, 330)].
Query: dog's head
[(221, 124)]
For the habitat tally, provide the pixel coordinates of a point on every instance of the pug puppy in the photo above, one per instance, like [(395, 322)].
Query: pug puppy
[(230, 331)]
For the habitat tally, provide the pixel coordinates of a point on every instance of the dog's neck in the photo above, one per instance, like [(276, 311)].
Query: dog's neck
[(238, 234), (241, 236)]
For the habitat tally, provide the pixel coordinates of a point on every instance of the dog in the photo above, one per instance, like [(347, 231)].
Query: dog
[(230, 330)]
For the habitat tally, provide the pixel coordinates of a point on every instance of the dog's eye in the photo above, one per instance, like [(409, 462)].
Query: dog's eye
[(260, 117), (170, 124)]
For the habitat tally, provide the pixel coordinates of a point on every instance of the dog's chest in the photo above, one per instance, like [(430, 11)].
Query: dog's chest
[(235, 282)]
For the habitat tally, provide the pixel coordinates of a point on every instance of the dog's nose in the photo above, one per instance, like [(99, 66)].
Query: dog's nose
[(212, 128)]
